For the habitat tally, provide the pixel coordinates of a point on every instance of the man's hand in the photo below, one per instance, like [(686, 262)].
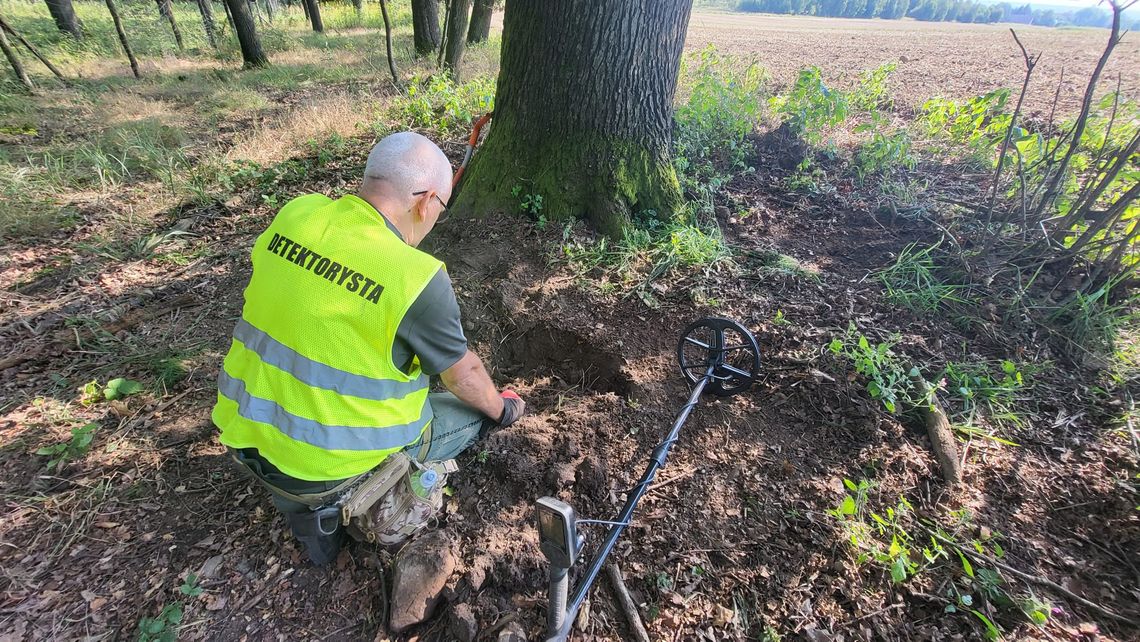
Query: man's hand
[(513, 408)]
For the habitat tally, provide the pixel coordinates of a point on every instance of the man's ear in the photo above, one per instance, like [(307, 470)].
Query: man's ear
[(420, 207)]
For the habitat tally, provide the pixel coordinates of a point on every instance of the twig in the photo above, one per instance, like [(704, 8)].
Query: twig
[(874, 613), (1040, 581), (627, 605), (1030, 63)]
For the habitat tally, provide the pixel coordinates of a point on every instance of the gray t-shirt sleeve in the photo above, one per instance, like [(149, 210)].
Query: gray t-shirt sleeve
[(431, 329)]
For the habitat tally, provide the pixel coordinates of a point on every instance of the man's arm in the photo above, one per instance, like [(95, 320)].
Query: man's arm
[(468, 380)]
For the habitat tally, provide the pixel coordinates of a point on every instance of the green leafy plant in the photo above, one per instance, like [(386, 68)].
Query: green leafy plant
[(722, 108), (120, 388), (440, 104), (164, 627), (884, 153), (76, 446), (190, 586), (887, 379), (810, 107)]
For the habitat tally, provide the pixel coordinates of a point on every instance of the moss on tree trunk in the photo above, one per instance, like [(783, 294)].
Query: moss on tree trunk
[(583, 112), (602, 179)]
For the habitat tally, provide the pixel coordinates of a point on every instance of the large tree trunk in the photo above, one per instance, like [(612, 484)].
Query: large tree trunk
[(480, 27), (64, 15), (167, 12), (207, 12), (583, 111), (123, 38), (456, 35), (314, 11), (246, 31), (425, 26), (13, 60)]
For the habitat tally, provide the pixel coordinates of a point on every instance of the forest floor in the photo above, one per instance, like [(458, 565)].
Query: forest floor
[(740, 538)]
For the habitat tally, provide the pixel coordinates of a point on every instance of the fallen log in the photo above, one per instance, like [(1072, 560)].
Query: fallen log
[(938, 428)]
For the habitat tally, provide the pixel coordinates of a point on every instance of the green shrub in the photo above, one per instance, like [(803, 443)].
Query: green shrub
[(811, 107), (723, 107), (437, 103)]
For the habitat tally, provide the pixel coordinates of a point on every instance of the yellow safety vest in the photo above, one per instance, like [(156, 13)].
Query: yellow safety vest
[(309, 379)]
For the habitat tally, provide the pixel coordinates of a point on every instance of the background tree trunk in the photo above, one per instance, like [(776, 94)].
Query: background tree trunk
[(358, 5), (480, 28), (583, 111), (456, 36), (167, 12), (246, 31), (207, 12), (123, 38), (15, 62), (64, 15), (388, 42), (314, 10), (425, 26)]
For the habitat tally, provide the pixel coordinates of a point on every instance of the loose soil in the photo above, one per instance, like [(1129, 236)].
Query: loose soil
[(734, 536)]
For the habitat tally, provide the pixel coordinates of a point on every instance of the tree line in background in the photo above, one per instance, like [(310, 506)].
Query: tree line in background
[(464, 22), (966, 11)]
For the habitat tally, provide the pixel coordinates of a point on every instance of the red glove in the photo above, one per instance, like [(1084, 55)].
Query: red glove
[(513, 408)]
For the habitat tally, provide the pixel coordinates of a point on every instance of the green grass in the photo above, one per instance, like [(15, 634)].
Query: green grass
[(911, 281)]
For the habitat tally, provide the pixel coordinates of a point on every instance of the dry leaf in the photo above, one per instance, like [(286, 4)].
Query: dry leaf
[(722, 616)]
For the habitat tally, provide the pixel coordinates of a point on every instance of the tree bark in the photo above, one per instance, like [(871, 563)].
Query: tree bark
[(123, 38), (314, 10), (425, 26), (211, 30), (246, 31), (583, 112), (388, 41), (456, 36), (167, 12), (64, 15), (15, 62), (229, 16), (480, 28)]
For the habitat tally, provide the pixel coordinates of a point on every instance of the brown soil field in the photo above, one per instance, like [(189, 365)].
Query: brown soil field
[(935, 58)]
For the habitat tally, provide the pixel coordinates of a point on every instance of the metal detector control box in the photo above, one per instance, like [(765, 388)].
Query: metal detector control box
[(558, 537)]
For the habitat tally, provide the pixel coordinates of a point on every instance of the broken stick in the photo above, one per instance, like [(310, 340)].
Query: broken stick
[(938, 427), (627, 605)]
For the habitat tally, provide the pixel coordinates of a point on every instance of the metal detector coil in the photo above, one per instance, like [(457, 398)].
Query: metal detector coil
[(722, 350), (717, 357)]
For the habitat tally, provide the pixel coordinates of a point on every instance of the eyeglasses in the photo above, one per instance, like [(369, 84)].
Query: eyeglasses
[(422, 192)]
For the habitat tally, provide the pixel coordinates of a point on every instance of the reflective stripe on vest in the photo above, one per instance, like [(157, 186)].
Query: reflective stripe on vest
[(317, 434), (308, 379), (319, 375)]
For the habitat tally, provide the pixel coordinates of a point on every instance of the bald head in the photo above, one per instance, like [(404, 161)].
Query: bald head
[(407, 162), (408, 180)]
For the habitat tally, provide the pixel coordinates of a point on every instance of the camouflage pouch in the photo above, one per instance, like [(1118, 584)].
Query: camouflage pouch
[(386, 509)]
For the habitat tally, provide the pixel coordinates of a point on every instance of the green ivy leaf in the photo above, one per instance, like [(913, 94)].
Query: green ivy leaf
[(848, 505), (898, 570), (119, 388)]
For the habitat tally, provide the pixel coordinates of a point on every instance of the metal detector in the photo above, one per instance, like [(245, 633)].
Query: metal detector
[(717, 357)]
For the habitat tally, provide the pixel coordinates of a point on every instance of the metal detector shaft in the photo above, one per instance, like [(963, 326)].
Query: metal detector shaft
[(656, 462)]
